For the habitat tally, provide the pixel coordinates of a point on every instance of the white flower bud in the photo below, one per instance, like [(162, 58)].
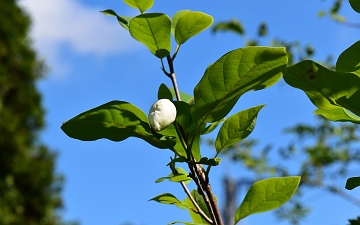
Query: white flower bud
[(162, 113)]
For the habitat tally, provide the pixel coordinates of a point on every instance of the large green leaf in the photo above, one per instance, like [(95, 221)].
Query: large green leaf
[(267, 194), (116, 121), (328, 90), (142, 5), (349, 60), (153, 30), (186, 24), (339, 115), (167, 198), (355, 4), (352, 183), (235, 73), (123, 20), (237, 127)]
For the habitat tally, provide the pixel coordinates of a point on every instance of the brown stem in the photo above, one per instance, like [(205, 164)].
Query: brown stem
[(197, 173), (201, 191), (206, 186)]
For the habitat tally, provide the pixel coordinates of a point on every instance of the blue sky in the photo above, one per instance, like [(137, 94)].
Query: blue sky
[(92, 60)]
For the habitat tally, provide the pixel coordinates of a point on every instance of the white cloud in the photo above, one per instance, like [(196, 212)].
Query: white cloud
[(84, 29)]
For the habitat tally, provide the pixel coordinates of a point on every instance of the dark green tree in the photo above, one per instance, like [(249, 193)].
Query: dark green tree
[(29, 187)]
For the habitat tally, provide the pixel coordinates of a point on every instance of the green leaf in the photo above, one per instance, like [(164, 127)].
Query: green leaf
[(237, 127), (195, 148), (352, 183), (195, 216), (123, 20), (209, 162), (184, 97), (339, 115), (267, 194), (349, 60), (355, 4), (187, 24), (183, 116), (232, 25), (164, 92), (235, 73), (142, 5), (326, 89), (167, 198), (181, 175), (175, 19), (212, 127), (170, 131), (153, 30), (116, 121)]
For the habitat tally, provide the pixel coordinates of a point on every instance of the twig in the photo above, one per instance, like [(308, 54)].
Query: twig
[(195, 203), (173, 77), (197, 174)]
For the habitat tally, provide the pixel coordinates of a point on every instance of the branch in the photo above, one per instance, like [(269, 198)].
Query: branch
[(195, 203), (173, 77)]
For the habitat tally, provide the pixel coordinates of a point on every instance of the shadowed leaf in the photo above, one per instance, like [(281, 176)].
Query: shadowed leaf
[(116, 121)]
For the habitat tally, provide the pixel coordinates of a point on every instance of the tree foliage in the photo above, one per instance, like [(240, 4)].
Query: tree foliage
[(29, 187)]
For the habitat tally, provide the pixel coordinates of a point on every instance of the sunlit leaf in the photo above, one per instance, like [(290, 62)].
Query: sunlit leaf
[(339, 114), (181, 175), (153, 30), (237, 127), (142, 5), (326, 89), (267, 194), (186, 24), (184, 97), (116, 121), (175, 19), (212, 127), (352, 183), (123, 20), (235, 73), (167, 198)]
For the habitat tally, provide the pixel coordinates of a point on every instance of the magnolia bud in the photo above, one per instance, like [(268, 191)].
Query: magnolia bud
[(162, 113)]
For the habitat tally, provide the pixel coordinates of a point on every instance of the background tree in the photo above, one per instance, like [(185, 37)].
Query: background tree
[(29, 186)]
